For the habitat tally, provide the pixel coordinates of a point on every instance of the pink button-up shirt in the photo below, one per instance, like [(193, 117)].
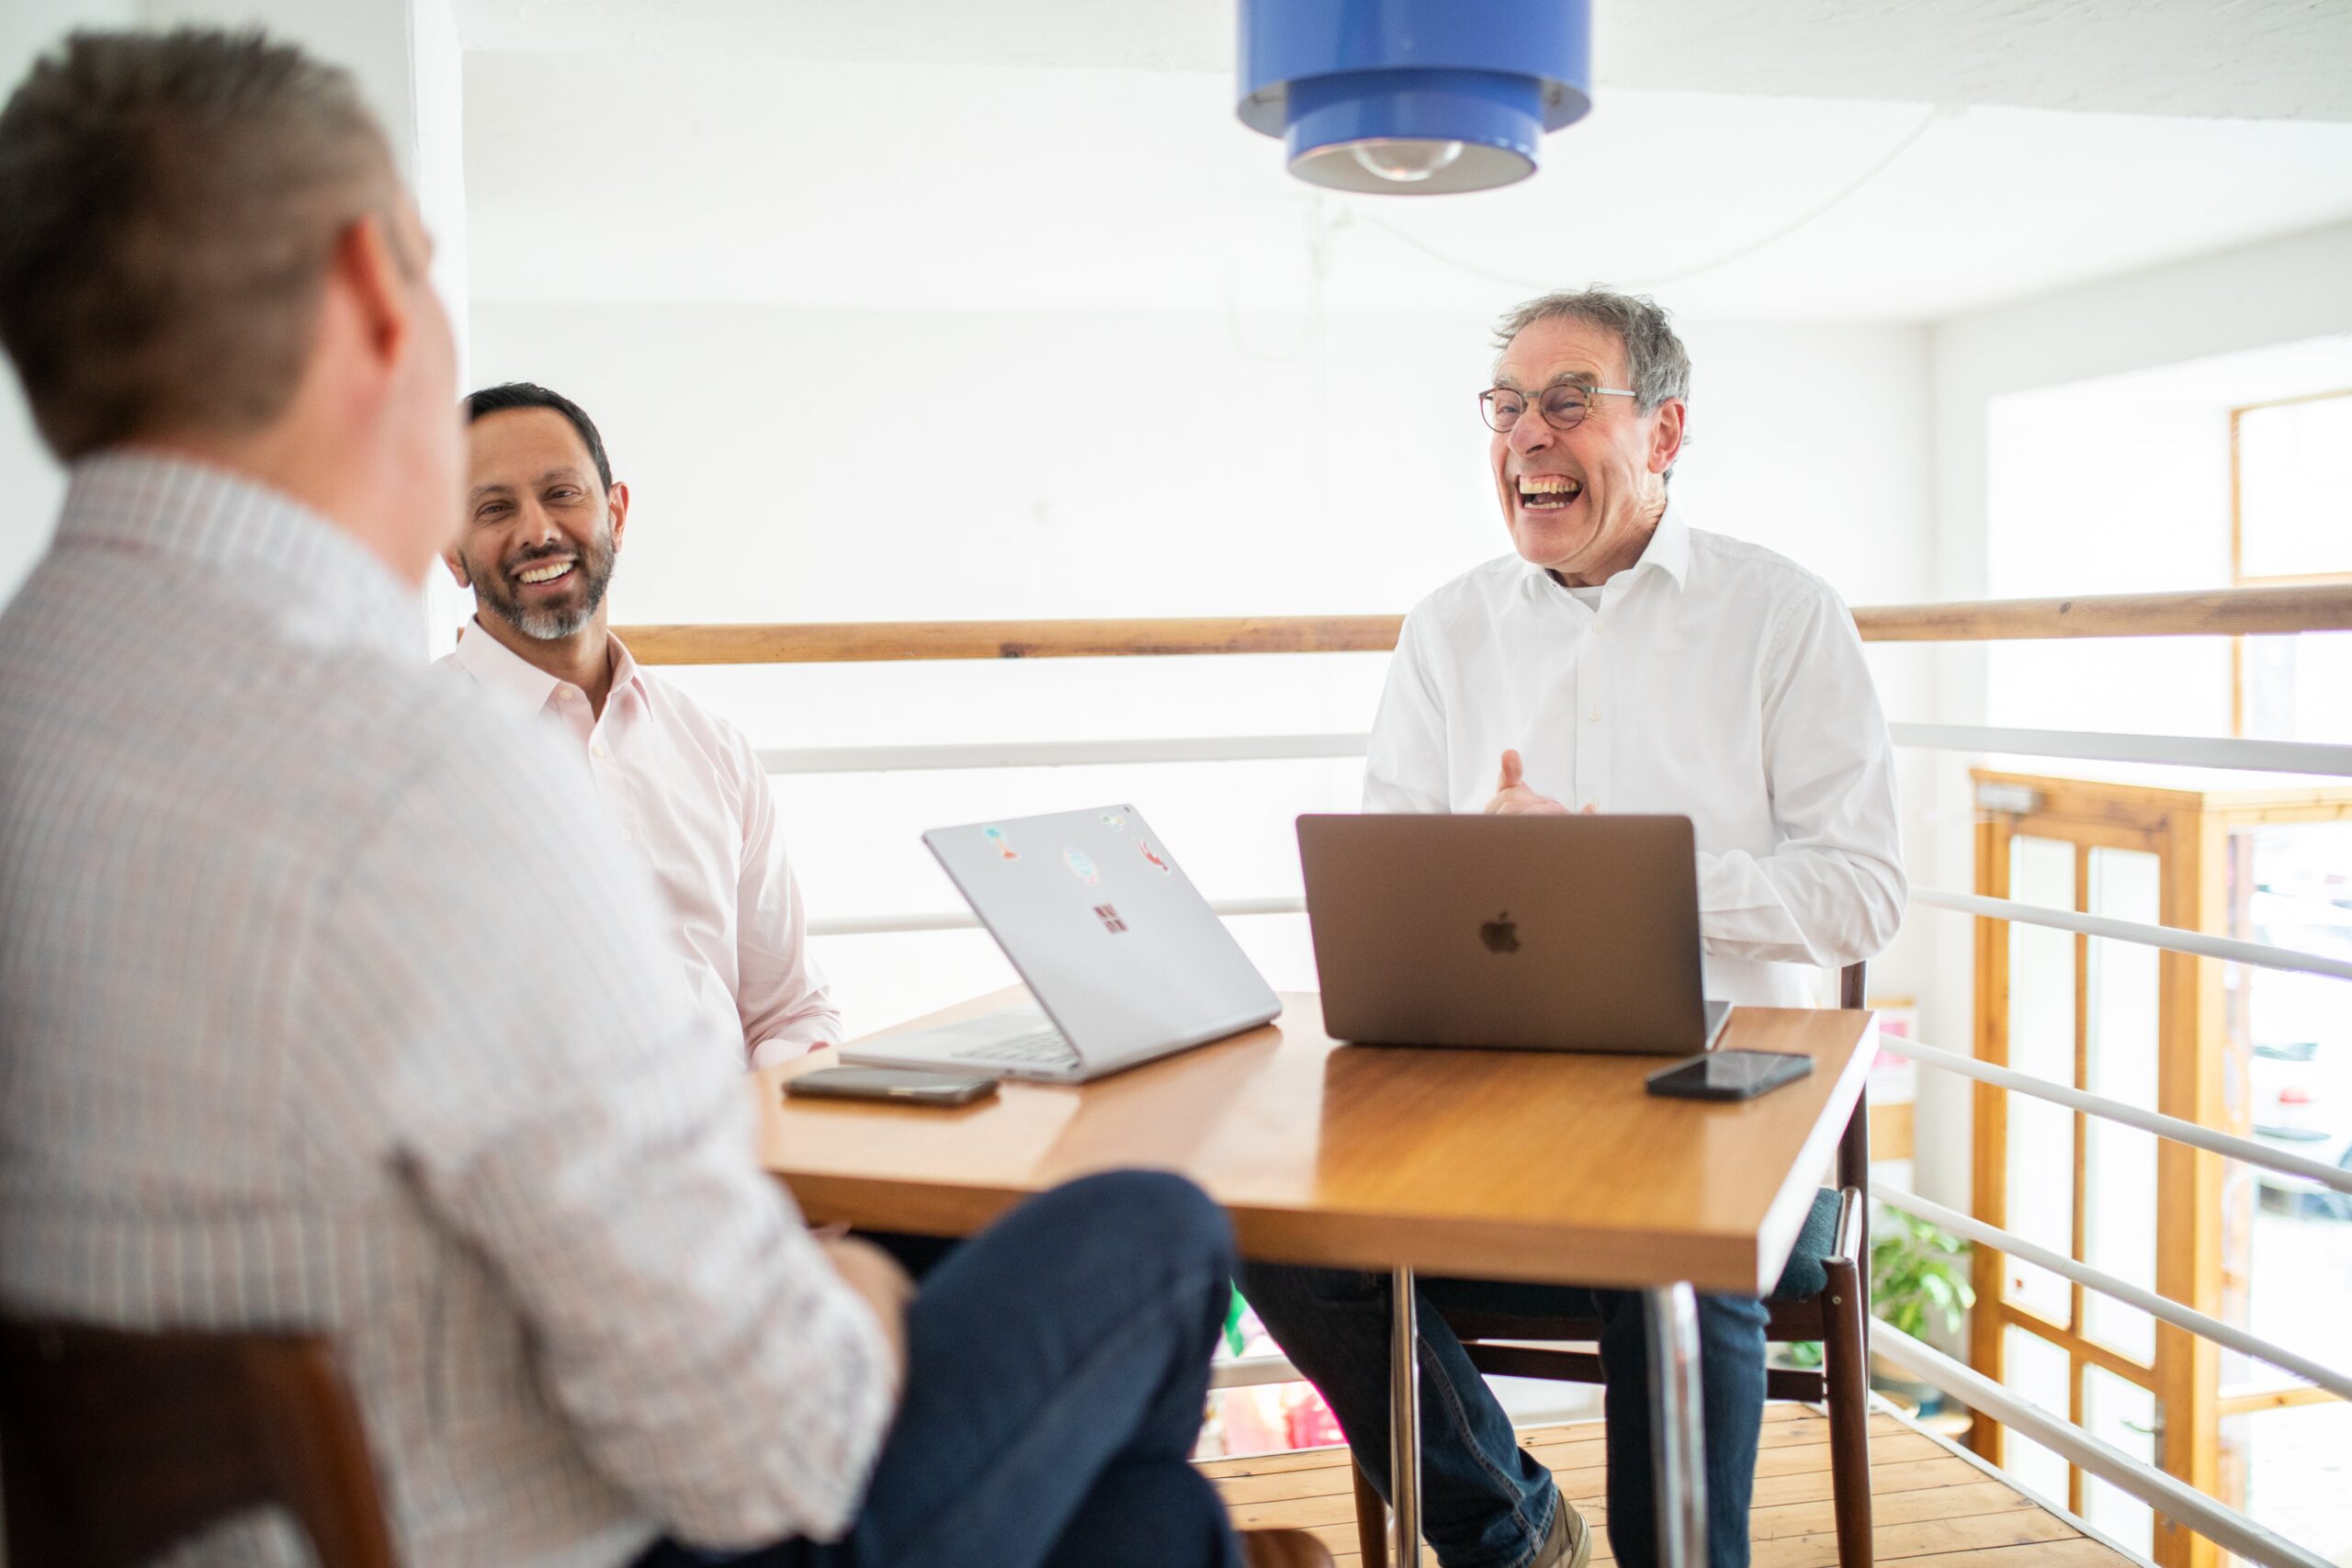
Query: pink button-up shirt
[(687, 794)]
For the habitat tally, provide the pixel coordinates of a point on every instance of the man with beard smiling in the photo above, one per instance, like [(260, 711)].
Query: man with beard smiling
[(544, 525), (1619, 660)]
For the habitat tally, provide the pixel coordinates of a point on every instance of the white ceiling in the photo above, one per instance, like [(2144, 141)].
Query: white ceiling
[(1040, 153), (2235, 59)]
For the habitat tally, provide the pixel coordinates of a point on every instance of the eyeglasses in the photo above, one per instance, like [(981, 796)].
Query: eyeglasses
[(1563, 405)]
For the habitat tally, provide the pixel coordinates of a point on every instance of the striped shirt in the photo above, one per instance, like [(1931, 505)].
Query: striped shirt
[(314, 1015)]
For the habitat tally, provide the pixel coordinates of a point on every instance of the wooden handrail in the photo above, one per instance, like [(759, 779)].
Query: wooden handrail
[(2229, 612), (856, 642), (2220, 612)]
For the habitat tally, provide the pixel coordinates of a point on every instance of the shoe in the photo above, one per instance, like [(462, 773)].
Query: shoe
[(1570, 1543), (1283, 1549)]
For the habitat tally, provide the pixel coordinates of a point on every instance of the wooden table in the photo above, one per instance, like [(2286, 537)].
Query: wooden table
[(1504, 1165)]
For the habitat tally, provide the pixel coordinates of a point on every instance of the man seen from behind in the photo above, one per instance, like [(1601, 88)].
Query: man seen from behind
[(329, 1001)]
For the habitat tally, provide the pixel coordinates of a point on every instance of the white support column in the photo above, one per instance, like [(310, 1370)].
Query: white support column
[(410, 64), (29, 476)]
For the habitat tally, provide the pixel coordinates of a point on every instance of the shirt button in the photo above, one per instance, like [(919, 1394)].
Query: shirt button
[(597, 750), (1594, 717), (628, 836), (564, 693)]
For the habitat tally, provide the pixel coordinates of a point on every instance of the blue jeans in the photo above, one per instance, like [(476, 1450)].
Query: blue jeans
[(1486, 1502), (1057, 1371)]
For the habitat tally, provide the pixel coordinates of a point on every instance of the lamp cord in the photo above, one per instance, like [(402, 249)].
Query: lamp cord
[(1744, 252)]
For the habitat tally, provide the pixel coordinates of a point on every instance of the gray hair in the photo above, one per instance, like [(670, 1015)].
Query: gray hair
[(1656, 365), (169, 205)]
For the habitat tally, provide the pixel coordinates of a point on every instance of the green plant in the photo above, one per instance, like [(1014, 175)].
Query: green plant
[(1918, 1273)]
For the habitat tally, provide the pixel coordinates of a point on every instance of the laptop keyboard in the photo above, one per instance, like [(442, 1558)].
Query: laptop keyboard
[(1043, 1047)]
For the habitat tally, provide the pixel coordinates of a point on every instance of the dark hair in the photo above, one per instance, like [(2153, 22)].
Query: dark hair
[(531, 395), (169, 207)]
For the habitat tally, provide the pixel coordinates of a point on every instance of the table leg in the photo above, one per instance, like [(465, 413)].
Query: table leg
[(1405, 1421), (1677, 1455)]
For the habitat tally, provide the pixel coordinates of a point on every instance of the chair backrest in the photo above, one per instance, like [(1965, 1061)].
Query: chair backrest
[(1854, 1146), (115, 1445)]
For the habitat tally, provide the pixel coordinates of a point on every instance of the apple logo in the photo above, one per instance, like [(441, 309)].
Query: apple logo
[(1500, 934)]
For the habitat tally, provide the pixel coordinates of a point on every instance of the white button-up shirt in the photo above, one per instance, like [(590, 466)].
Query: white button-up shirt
[(328, 1002), (687, 794), (1715, 680)]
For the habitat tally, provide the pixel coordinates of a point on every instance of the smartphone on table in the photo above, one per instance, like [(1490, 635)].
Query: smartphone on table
[(1729, 1075), (898, 1086)]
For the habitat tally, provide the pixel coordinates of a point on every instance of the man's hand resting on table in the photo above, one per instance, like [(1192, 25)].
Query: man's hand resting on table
[(874, 1274), (1513, 798)]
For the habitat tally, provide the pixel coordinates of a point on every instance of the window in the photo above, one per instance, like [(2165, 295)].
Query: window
[(2291, 471)]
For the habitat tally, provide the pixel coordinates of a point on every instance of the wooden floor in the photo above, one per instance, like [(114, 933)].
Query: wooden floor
[(1927, 1501)]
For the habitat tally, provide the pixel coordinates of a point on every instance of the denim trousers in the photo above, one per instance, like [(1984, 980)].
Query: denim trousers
[(1057, 1370), (1486, 1502)]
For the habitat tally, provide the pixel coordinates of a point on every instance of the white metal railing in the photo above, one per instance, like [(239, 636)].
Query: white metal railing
[(2259, 756), (1253, 1371), (2106, 1284), (2228, 1145), (1062, 753), (2170, 939), (2177, 1501), (2097, 745), (2182, 1504)]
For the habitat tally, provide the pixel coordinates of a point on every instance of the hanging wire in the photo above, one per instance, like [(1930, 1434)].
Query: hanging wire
[(1885, 161), (1322, 222)]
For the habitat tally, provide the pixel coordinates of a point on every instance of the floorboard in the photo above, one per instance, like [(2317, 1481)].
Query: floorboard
[(1929, 1505)]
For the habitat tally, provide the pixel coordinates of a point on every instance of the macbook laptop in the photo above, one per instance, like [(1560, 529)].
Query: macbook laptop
[(1544, 934), (1126, 959)]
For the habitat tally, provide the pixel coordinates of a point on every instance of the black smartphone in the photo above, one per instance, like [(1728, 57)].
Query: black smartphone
[(900, 1086), (1729, 1075)]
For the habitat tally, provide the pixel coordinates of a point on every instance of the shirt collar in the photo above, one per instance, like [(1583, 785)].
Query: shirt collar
[(515, 682), (328, 589), (1668, 551)]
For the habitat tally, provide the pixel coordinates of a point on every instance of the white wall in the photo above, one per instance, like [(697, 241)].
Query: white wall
[(829, 464), (2121, 485), (2283, 291), (29, 478), (2109, 463), (823, 464), (406, 56)]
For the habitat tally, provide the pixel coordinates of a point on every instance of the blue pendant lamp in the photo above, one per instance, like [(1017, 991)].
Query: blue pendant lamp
[(1413, 97)]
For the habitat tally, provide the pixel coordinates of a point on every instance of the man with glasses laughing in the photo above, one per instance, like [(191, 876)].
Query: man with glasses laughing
[(1621, 660)]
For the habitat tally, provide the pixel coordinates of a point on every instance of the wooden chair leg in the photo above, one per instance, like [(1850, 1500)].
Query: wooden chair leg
[(1845, 1366), (1372, 1519)]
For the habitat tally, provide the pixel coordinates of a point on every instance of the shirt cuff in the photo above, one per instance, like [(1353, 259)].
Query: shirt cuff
[(778, 1050)]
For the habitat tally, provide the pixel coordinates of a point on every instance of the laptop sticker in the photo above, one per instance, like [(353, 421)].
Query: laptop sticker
[(1081, 866), (1109, 915), (997, 840), (1157, 865), (1116, 823)]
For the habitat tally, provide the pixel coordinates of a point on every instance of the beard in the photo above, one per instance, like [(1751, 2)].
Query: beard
[(496, 590)]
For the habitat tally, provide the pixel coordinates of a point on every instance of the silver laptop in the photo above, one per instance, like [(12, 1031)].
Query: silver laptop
[(1544, 934), (1126, 959)]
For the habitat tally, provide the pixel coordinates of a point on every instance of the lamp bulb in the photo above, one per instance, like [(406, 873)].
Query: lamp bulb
[(1406, 161)]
